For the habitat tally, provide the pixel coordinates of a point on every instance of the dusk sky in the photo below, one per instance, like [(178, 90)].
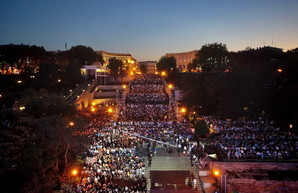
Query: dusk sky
[(149, 28)]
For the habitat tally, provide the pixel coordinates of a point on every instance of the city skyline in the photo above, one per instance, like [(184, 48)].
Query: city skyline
[(149, 30)]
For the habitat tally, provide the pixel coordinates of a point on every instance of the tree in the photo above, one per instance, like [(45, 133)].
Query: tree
[(194, 65), (201, 128), (143, 68), (213, 57), (41, 103), (83, 55), (115, 66), (167, 64)]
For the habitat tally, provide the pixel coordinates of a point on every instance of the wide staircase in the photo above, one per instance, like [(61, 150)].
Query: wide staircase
[(168, 164)]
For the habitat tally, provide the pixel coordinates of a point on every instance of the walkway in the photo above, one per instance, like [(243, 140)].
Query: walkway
[(171, 172)]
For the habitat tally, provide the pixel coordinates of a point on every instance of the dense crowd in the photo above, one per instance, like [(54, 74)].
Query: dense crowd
[(147, 100), (258, 139), (112, 163)]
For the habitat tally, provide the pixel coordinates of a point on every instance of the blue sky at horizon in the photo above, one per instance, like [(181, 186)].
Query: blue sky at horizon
[(149, 29)]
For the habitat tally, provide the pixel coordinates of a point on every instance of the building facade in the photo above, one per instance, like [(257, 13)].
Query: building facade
[(127, 59), (150, 65), (183, 59)]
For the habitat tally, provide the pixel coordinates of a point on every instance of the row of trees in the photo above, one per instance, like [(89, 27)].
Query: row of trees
[(42, 136), (249, 84)]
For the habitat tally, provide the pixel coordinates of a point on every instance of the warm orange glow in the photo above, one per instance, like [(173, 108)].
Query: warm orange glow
[(216, 173), (110, 110), (163, 73), (92, 109), (183, 110), (93, 103), (131, 73), (124, 86), (279, 70), (71, 123), (290, 126), (59, 80), (170, 86), (74, 172), (19, 81)]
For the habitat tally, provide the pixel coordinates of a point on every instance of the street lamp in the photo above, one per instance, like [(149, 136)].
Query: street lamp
[(223, 179), (170, 86), (74, 172), (216, 173), (71, 123), (183, 110), (110, 110)]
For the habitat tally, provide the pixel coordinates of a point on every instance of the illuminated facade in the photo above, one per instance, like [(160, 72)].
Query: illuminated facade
[(97, 71), (127, 59), (183, 59), (150, 65)]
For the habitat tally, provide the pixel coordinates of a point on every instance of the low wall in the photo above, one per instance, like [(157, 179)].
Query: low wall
[(248, 185)]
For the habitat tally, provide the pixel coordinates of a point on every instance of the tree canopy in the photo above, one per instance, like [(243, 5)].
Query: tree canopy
[(213, 57), (83, 55), (143, 68), (115, 67), (167, 64)]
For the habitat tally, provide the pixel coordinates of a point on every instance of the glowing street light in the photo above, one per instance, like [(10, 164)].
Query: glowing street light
[(216, 173), (59, 80), (163, 73), (183, 110), (71, 123), (92, 109), (279, 70), (22, 108), (124, 86), (110, 110), (74, 172), (170, 86)]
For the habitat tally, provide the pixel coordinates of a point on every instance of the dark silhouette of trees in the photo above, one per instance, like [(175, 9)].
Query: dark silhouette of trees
[(143, 68), (116, 67), (260, 83), (167, 64), (213, 58), (83, 55)]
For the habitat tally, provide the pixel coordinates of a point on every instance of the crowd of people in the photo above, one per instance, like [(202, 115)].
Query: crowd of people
[(112, 163), (258, 139), (147, 100)]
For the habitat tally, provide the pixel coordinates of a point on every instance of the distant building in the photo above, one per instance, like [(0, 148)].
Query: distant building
[(183, 59), (127, 59), (151, 66), (96, 71)]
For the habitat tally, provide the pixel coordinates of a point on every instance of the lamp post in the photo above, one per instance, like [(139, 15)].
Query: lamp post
[(223, 180)]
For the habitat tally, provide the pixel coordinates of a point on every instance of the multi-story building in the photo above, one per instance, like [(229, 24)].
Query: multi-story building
[(127, 59), (183, 59), (150, 65)]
